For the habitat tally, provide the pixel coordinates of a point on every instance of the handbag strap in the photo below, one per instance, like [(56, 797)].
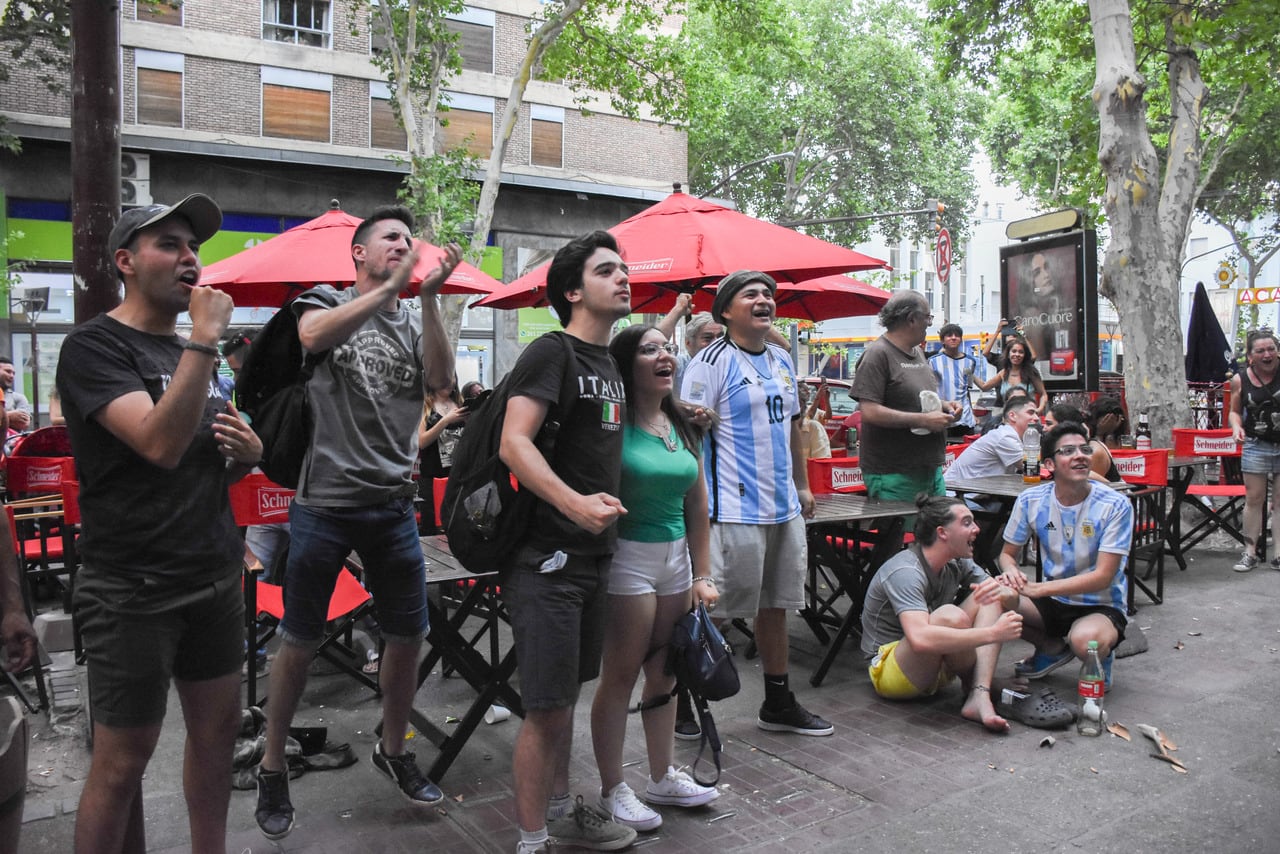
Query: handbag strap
[(710, 735)]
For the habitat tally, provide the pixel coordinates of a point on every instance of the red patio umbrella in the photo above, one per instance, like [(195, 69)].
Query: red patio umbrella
[(684, 242), (829, 297), (814, 299), (319, 252)]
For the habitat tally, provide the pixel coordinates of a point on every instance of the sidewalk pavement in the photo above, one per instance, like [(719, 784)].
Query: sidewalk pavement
[(894, 777)]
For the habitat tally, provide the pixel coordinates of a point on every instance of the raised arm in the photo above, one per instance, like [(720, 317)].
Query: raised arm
[(161, 431), (681, 310)]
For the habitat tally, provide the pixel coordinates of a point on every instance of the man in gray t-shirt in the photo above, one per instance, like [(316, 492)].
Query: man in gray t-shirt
[(917, 636), (356, 491)]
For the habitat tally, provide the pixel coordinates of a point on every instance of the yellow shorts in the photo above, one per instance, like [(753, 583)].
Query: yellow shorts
[(892, 684)]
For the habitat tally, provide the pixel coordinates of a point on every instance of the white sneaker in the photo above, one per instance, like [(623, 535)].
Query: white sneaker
[(678, 789), (1247, 561), (622, 804)]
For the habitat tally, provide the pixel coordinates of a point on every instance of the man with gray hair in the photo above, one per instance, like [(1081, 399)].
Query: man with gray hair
[(904, 422)]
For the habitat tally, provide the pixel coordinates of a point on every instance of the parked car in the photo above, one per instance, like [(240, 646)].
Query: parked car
[(844, 409)]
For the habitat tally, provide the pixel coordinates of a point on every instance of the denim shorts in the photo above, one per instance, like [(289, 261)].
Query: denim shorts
[(141, 632), (1260, 457), (386, 538), (557, 623)]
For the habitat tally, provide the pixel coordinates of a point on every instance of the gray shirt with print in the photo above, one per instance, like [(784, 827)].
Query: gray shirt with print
[(366, 399)]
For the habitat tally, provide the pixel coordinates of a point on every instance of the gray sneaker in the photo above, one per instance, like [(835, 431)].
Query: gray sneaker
[(1247, 561), (587, 827), (1275, 563)]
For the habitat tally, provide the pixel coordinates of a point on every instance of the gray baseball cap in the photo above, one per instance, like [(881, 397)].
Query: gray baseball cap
[(198, 209)]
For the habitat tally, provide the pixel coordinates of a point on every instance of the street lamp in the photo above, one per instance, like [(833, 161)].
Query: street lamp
[(33, 301)]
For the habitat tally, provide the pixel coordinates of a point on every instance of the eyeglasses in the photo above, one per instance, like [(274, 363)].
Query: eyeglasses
[(1085, 450), (650, 350), (928, 317)]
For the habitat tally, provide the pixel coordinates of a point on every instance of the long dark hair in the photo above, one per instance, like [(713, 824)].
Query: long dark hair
[(623, 348), (1027, 371)]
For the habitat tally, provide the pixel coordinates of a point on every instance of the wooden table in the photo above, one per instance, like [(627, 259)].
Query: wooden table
[(850, 536), (1004, 487)]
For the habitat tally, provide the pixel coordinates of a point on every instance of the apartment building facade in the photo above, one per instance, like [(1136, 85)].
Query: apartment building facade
[(275, 108)]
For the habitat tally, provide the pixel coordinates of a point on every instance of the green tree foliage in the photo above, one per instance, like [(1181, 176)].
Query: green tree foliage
[(843, 103), (1142, 112)]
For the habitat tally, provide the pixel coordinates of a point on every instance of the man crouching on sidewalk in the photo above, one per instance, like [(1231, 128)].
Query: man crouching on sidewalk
[(918, 639)]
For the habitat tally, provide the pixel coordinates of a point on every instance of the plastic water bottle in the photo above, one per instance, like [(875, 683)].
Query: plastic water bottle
[(1091, 690), (1031, 456)]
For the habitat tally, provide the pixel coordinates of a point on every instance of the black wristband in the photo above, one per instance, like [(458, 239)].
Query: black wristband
[(207, 349)]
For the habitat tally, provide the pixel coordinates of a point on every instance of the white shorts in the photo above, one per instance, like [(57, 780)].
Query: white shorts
[(640, 568), (759, 566)]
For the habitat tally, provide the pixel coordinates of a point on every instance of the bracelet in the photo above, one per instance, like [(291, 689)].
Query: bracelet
[(706, 579), (207, 349)]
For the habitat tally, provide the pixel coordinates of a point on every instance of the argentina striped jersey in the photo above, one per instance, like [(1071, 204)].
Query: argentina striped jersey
[(747, 456), (954, 376), (1071, 538)]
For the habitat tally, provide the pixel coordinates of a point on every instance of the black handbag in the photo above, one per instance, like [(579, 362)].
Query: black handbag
[(703, 663), (700, 658)]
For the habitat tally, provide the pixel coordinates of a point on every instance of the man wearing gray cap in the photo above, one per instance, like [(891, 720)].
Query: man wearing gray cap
[(757, 483), (158, 593)]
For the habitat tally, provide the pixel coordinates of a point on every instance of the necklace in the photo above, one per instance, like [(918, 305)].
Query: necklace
[(664, 432)]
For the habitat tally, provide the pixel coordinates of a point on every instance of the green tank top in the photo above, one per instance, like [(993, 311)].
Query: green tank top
[(654, 482)]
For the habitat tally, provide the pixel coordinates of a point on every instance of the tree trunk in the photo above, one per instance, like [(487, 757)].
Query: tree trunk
[(1148, 221)]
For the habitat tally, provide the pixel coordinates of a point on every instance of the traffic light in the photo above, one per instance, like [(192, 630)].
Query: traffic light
[(935, 209), (984, 337)]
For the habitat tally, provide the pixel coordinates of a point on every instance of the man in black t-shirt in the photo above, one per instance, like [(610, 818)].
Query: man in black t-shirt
[(556, 589), (158, 593)]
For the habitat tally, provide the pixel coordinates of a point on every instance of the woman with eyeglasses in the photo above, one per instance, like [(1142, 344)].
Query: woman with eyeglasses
[(661, 564)]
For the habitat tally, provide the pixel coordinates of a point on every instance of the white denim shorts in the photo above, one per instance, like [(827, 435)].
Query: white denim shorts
[(661, 568)]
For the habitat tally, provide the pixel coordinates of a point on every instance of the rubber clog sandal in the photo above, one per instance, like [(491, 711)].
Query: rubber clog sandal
[(1042, 664), (1041, 709)]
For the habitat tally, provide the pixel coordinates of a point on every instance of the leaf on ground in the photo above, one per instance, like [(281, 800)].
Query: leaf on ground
[(1166, 743), (1178, 645), (1048, 741), (1172, 760), (1094, 770), (1194, 634), (1119, 730)]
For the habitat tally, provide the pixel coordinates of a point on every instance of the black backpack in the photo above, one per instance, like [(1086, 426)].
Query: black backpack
[(482, 513), (272, 391)]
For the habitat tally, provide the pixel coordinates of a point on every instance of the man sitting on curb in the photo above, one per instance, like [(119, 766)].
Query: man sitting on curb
[(1084, 530), (918, 638)]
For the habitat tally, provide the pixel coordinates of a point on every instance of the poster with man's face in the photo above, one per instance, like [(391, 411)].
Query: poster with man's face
[(1043, 297)]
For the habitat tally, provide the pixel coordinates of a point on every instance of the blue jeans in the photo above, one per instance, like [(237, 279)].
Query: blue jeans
[(386, 536)]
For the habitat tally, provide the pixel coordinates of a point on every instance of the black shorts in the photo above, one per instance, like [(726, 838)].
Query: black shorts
[(557, 622), (1059, 617), (141, 632)]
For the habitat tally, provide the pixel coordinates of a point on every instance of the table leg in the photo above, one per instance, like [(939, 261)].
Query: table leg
[(856, 576)]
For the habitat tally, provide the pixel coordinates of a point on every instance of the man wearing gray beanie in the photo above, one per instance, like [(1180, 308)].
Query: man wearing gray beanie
[(757, 483)]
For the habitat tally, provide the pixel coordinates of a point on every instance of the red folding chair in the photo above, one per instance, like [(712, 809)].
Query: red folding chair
[(255, 500), (34, 488), (1220, 505)]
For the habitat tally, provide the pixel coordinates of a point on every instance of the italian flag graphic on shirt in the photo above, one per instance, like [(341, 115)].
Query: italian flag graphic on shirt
[(611, 414)]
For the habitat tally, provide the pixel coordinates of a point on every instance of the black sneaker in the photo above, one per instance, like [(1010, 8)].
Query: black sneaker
[(795, 718), (688, 730), (403, 769), (275, 812)]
